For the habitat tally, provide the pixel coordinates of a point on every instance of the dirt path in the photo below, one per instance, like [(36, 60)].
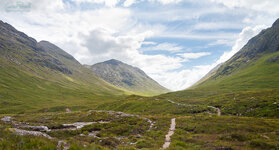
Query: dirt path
[(180, 104), (170, 133), (217, 109)]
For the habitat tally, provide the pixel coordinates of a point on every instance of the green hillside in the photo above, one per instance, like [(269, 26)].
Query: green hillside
[(127, 77), (41, 75)]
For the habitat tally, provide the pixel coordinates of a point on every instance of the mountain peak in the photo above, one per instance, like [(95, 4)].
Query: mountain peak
[(113, 62)]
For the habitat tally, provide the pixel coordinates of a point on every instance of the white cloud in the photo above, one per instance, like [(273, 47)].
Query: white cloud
[(270, 6), (164, 47), (246, 34), (222, 42), (216, 25), (128, 3), (148, 43), (178, 80), (109, 3), (188, 56), (166, 1)]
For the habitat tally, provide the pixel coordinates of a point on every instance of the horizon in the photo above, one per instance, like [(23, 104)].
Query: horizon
[(175, 50)]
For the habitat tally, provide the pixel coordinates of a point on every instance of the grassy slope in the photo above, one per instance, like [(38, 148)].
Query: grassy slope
[(258, 75), (21, 91), (225, 132)]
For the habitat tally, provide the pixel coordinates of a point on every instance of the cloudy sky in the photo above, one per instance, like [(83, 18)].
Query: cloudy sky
[(176, 42)]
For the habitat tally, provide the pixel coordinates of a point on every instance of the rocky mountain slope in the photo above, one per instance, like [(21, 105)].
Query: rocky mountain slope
[(127, 77), (40, 74)]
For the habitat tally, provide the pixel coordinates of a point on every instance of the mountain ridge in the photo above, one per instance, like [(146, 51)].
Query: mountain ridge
[(128, 77), (43, 75)]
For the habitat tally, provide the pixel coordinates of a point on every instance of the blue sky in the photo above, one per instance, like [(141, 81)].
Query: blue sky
[(176, 42)]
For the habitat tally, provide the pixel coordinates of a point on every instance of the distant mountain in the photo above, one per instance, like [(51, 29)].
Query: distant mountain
[(255, 66), (127, 77), (39, 74)]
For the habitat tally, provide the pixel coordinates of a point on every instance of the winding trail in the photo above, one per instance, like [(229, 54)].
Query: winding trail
[(217, 109), (170, 133), (180, 104)]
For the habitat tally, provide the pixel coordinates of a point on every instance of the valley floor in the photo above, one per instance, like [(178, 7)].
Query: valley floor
[(111, 129)]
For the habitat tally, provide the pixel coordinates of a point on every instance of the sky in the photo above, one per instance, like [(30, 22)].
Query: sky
[(175, 42)]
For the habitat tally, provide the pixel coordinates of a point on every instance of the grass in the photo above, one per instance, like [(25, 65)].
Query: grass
[(199, 131), (10, 141), (21, 92), (230, 132)]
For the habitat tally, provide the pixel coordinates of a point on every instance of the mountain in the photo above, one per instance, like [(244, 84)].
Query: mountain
[(127, 77), (35, 75), (255, 66)]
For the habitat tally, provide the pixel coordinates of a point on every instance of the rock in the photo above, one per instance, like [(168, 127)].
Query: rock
[(93, 134), (78, 125), (7, 119), (25, 132), (273, 59), (65, 145), (36, 128), (68, 110)]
